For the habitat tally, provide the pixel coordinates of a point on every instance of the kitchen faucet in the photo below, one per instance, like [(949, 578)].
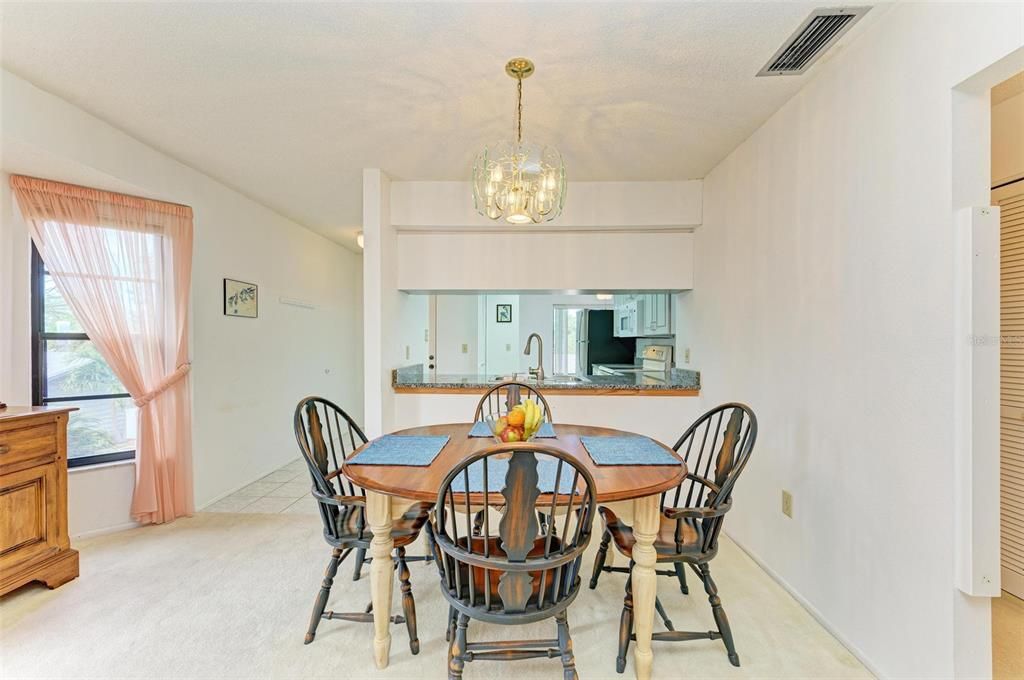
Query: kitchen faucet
[(539, 371)]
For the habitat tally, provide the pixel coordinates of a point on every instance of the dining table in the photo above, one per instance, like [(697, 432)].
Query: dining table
[(641, 484)]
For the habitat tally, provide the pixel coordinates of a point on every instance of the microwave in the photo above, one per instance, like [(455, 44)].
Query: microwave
[(627, 319)]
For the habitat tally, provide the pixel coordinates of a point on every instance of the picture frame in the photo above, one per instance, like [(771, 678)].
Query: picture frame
[(241, 299), (503, 313)]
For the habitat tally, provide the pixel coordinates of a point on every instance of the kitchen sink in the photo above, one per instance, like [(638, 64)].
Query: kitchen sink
[(548, 380)]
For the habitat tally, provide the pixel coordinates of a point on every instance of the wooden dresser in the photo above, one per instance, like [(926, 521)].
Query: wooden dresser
[(34, 544)]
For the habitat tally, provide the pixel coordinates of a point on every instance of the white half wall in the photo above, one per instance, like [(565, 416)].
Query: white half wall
[(545, 261), (588, 205), (834, 321), (247, 374)]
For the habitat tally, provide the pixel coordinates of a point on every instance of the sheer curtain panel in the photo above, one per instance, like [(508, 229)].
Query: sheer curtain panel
[(124, 265)]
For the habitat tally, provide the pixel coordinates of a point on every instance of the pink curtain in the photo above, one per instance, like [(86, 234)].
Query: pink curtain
[(124, 266)]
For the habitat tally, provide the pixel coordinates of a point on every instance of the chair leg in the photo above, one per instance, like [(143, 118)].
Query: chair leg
[(565, 647), (602, 555), (453, 617), (662, 614), (408, 603), (457, 649), (321, 598), (360, 558), (625, 624), (720, 618), (681, 575)]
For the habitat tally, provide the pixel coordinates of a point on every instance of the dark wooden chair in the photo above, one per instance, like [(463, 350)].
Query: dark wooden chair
[(517, 575), (327, 436), (503, 396), (500, 399), (691, 521)]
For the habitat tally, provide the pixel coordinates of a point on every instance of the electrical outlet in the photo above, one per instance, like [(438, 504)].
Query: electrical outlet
[(787, 503), (407, 352), (465, 348), (686, 355)]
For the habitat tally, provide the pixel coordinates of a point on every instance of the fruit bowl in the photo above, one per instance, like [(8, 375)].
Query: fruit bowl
[(519, 424)]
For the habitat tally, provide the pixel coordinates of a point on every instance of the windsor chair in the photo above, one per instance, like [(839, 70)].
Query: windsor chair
[(500, 399), (691, 520), (517, 574), (327, 436)]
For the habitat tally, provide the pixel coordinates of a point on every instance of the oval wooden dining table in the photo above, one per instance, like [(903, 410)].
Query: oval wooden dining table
[(642, 484)]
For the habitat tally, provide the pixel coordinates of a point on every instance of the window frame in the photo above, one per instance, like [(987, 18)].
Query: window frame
[(39, 338)]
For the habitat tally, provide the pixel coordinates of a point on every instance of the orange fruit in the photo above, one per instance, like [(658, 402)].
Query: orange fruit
[(516, 418)]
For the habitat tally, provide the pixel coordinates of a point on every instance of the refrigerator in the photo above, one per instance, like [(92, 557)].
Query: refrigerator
[(596, 342)]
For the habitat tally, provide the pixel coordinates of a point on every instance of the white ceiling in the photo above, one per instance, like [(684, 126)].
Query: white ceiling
[(288, 102)]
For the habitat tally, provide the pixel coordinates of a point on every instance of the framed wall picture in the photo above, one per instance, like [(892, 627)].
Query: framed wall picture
[(504, 314), (241, 299)]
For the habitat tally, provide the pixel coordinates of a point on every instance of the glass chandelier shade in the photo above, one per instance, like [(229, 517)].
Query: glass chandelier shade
[(517, 181)]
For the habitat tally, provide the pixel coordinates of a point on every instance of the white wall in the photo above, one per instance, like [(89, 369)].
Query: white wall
[(545, 261), (503, 348), (834, 321), (457, 324), (592, 205), (247, 374), (664, 418)]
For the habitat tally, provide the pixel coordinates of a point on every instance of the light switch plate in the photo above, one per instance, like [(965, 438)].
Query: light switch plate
[(787, 503), (465, 348)]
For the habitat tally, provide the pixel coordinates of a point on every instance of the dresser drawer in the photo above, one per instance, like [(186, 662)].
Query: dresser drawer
[(28, 443)]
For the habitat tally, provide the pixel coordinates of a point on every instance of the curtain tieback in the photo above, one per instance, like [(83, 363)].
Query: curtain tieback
[(170, 380)]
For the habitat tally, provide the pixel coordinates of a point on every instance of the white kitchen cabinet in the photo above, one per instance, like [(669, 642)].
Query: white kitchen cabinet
[(657, 314), (643, 314)]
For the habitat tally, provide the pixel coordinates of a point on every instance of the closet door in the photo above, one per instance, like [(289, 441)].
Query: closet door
[(1010, 200)]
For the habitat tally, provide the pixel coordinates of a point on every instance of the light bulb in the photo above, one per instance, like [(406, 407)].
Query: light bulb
[(496, 173), (359, 239)]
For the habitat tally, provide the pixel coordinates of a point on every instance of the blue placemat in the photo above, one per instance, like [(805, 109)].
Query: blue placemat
[(498, 467), (482, 429), (401, 449), (628, 450)]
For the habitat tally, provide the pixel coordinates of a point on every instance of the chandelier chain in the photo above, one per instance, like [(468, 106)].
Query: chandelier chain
[(519, 109)]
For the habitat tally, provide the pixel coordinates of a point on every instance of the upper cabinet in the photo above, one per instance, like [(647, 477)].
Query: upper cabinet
[(643, 314)]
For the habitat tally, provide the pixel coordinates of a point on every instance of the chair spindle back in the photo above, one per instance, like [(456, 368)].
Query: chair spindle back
[(327, 436), (513, 573), (716, 448), (502, 397)]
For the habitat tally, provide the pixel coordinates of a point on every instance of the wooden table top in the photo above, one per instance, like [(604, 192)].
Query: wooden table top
[(614, 482)]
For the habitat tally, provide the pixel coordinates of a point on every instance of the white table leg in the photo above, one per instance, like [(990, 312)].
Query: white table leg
[(382, 575), (646, 513)]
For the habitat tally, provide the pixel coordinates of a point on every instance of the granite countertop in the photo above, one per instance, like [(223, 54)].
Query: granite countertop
[(677, 381)]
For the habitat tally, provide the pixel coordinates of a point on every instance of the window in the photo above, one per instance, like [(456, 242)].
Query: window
[(67, 370)]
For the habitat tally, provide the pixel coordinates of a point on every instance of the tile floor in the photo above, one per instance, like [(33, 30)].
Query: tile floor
[(283, 490)]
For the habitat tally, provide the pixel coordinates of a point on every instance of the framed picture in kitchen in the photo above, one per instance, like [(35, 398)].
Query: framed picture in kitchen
[(504, 314), (241, 299)]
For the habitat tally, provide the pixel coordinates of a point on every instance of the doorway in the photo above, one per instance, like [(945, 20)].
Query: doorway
[(1008, 193)]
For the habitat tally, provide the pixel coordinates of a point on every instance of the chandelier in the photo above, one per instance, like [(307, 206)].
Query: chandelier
[(520, 182)]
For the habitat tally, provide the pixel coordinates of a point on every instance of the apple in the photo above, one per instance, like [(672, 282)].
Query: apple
[(511, 434)]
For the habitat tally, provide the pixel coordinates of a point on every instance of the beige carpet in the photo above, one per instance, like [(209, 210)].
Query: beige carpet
[(229, 595)]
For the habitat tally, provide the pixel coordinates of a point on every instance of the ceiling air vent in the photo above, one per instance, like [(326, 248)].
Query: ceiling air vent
[(809, 41)]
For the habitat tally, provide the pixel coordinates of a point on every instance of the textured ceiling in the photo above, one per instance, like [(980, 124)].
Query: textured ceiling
[(288, 102)]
